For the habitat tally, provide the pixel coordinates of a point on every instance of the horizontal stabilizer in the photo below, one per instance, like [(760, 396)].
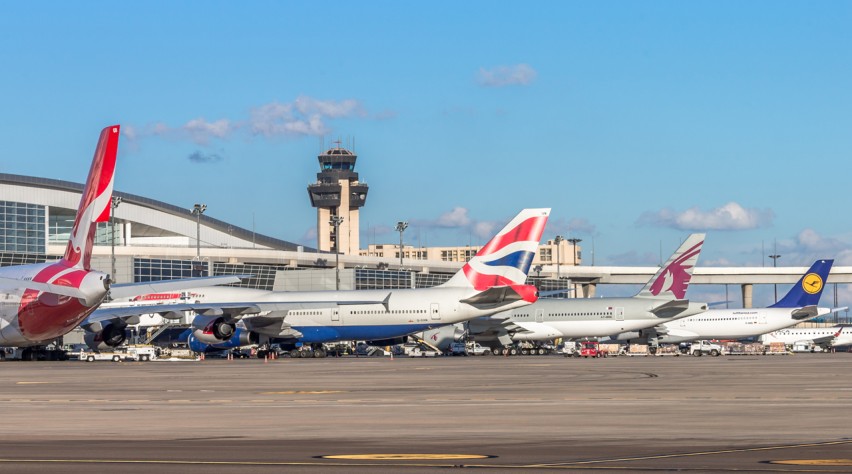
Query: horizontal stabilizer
[(805, 312), (493, 297), (670, 308), (128, 290), (13, 283)]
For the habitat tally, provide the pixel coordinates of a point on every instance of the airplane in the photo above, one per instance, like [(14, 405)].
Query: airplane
[(799, 304), (825, 338), (493, 280), (44, 301), (662, 299)]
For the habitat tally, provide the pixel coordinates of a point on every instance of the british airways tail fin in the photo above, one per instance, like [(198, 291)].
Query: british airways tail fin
[(672, 280), (808, 289), (95, 202), (506, 258)]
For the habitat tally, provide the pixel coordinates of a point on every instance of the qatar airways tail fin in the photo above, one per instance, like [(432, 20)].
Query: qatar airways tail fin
[(95, 202), (807, 291), (673, 278), (505, 260)]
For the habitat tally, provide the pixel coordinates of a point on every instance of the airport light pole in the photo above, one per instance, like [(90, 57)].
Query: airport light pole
[(775, 258), (335, 222), (197, 210), (558, 240), (400, 227), (574, 241), (116, 200)]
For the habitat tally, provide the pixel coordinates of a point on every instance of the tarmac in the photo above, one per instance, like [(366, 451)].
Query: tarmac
[(516, 414)]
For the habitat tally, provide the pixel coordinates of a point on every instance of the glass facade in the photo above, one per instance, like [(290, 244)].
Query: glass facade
[(22, 228), (372, 279), (153, 269), (263, 276)]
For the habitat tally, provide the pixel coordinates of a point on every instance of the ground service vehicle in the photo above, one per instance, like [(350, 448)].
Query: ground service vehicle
[(592, 349), (699, 348), (94, 356), (478, 350)]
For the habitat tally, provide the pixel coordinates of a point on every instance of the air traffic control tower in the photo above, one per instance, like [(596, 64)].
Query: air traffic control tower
[(337, 192)]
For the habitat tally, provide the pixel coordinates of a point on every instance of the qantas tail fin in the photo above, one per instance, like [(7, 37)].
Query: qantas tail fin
[(95, 202), (506, 258), (673, 278), (809, 288)]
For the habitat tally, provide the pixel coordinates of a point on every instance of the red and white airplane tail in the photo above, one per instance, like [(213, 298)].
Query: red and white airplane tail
[(504, 262), (95, 202)]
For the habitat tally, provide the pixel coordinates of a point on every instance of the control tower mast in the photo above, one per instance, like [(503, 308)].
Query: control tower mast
[(337, 192)]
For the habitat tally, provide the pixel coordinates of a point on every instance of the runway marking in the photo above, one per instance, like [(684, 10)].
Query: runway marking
[(405, 457), (303, 392), (34, 383), (697, 453), (815, 462)]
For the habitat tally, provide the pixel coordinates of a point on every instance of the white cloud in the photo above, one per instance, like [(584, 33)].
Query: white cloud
[(456, 218), (731, 216), (502, 76), (201, 131), (305, 116)]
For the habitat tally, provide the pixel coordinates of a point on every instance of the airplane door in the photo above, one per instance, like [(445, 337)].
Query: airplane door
[(434, 312), (335, 314), (619, 314), (539, 315)]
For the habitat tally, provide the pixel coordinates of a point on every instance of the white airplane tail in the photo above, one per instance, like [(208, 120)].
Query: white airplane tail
[(672, 280), (505, 260), (95, 203)]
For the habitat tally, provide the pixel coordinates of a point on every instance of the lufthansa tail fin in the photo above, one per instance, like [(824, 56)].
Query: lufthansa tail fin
[(807, 291), (506, 258), (95, 202), (672, 280)]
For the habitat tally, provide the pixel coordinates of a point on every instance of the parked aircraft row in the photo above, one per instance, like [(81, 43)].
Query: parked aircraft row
[(43, 302)]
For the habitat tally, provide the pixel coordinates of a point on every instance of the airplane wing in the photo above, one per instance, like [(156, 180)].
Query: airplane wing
[(127, 290)]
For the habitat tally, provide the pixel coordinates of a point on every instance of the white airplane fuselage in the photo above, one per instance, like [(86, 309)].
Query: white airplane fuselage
[(730, 324), (593, 317), (375, 316), (833, 336)]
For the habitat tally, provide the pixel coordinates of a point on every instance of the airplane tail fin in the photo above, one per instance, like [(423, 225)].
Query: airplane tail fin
[(95, 202), (506, 258), (672, 280), (807, 291)]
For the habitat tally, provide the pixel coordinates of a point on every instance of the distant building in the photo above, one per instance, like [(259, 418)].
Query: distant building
[(569, 253)]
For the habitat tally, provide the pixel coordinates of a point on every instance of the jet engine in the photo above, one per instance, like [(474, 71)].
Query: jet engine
[(240, 338), (213, 329), (110, 336)]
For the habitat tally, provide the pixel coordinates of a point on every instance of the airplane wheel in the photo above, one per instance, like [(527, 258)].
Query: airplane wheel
[(294, 354)]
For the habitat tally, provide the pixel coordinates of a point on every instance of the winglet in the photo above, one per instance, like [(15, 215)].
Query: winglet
[(672, 280), (95, 203)]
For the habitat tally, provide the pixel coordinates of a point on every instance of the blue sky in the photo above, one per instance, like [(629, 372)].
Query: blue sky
[(637, 122)]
